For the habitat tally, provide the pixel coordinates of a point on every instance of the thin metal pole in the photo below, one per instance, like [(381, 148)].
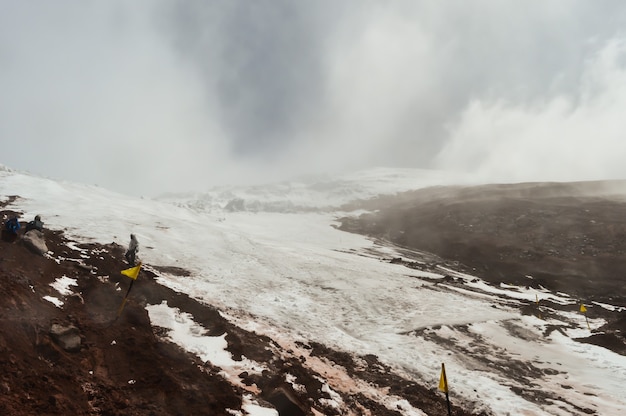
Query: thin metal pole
[(119, 311)]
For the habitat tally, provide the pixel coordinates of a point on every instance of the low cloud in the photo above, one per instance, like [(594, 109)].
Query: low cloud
[(579, 136), (154, 96)]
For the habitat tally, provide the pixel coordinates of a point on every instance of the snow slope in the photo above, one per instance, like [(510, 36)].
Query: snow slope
[(295, 277)]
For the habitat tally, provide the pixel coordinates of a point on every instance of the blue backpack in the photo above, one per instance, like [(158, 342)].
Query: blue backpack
[(12, 225)]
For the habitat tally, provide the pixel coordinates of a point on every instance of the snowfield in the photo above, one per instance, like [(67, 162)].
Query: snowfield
[(294, 276)]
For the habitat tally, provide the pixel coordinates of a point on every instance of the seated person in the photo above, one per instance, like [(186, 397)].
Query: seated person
[(12, 225), (35, 224)]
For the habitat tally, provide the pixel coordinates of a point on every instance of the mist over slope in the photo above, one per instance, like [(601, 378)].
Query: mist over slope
[(568, 237), (313, 193)]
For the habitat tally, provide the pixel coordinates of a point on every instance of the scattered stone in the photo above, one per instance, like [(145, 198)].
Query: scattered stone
[(35, 242), (67, 337), (85, 267)]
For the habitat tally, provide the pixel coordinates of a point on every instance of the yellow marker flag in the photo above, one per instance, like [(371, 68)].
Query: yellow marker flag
[(443, 380), (133, 272), (582, 308)]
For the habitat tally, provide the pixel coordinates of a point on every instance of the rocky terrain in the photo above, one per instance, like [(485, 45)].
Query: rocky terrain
[(88, 357), (566, 237), (81, 358)]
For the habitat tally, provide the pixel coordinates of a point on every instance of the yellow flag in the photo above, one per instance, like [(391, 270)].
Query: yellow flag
[(443, 381), (582, 308), (133, 272)]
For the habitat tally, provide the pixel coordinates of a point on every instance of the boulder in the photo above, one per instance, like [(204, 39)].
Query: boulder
[(35, 241), (67, 337)]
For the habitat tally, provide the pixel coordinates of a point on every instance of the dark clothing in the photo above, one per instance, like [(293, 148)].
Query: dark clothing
[(12, 225), (10, 229), (131, 253), (34, 225), (130, 257)]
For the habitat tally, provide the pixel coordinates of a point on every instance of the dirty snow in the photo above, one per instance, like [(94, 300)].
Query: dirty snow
[(300, 278)]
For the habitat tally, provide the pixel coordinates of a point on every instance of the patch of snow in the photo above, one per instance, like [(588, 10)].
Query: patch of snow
[(335, 398), (74, 247), (62, 285), (254, 409), (184, 331), (609, 307), (291, 379), (56, 301)]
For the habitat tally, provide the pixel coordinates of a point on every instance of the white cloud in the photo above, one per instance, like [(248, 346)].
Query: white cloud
[(575, 137), (152, 96)]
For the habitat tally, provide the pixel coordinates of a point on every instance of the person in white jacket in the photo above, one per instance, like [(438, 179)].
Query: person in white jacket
[(133, 248)]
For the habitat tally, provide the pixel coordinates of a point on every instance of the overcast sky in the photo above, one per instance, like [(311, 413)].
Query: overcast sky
[(147, 96)]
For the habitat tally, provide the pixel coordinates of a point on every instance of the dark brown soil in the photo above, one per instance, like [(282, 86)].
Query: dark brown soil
[(125, 366)]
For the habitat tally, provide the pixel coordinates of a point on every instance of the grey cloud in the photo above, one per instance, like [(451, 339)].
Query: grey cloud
[(264, 64), (268, 68), (160, 95)]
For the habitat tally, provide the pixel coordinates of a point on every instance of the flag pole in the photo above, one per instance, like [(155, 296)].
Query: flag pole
[(583, 310), (133, 273), (443, 386), (119, 311)]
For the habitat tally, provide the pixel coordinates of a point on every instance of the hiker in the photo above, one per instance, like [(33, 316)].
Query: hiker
[(12, 225), (35, 224), (10, 229), (133, 247)]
